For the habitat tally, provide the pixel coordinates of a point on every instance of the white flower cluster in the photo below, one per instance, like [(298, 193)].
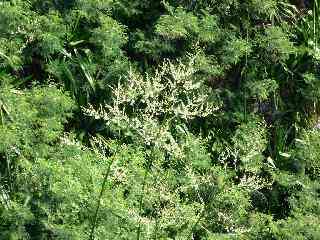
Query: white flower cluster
[(147, 107)]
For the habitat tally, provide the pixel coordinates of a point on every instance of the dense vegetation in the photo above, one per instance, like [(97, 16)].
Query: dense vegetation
[(175, 119)]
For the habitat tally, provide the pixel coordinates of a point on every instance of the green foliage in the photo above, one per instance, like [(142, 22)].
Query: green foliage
[(303, 220), (179, 24), (276, 44), (249, 142), (159, 119), (110, 37), (307, 153)]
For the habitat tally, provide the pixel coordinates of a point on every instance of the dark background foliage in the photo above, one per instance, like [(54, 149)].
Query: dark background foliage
[(190, 119)]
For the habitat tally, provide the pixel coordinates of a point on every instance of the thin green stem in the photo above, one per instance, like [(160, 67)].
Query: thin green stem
[(315, 33), (157, 216), (140, 203), (246, 68), (156, 229), (10, 183), (1, 114), (314, 24), (95, 218), (197, 222)]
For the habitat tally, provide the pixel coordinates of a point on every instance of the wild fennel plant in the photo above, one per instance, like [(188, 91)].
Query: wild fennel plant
[(159, 119)]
